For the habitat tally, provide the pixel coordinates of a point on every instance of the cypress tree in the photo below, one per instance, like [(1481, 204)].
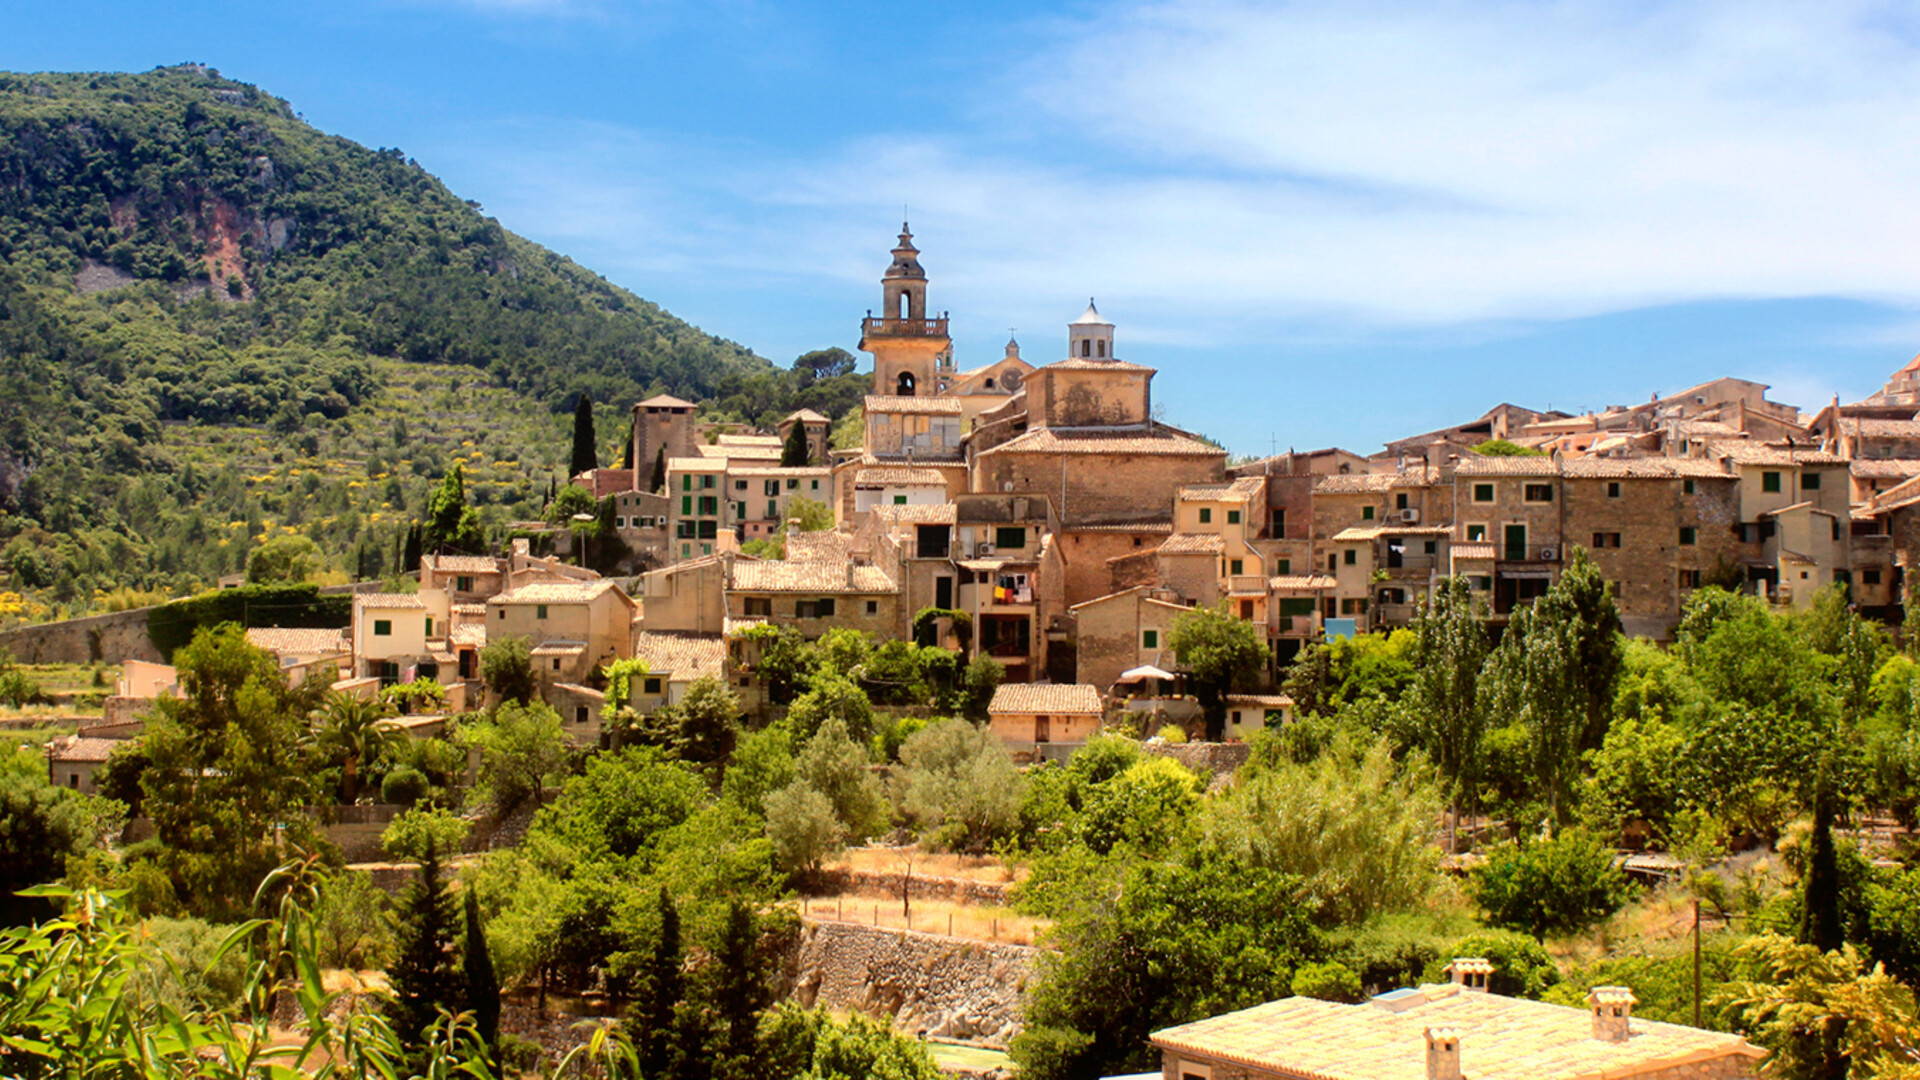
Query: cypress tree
[(794, 454), (1820, 903), (586, 457), (422, 976), (739, 996), (661, 989), (626, 448), (410, 559), (659, 470), (483, 986)]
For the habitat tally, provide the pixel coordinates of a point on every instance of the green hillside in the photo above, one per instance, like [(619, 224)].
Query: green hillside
[(217, 322)]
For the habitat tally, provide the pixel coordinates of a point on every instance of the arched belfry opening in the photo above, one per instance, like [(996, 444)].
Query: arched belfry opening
[(905, 308), (904, 387)]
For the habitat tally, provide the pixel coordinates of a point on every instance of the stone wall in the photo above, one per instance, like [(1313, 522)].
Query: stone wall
[(924, 887), (942, 987), (108, 639), (1212, 760)]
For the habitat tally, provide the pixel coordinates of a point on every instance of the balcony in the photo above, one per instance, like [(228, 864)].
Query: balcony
[(1297, 626), (872, 327), (1243, 584)]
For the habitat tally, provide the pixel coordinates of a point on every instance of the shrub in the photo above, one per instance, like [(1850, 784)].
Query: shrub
[(404, 786), (1558, 886), (414, 833), (1330, 981), (1521, 967)]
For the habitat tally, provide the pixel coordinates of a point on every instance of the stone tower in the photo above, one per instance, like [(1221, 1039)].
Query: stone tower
[(912, 354), (663, 425)]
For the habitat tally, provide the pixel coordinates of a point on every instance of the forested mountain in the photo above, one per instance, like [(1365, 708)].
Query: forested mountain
[(205, 308)]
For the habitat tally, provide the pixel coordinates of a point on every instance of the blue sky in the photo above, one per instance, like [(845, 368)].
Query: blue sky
[(1325, 224)]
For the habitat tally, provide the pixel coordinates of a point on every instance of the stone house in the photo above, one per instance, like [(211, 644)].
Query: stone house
[(572, 629), (1656, 527), (301, 651), (663, 426), (1122, 631), (687, 597), (897, 485), (398, 637), (1450, 1032), (466, 579), (814, 596), (817, 431), (1038, 721), (698, 510), (73, 761), (761, 496), (1514, 504)]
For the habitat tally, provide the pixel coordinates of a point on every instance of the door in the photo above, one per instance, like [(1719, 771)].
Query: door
[(943, 593), (1516, 543), (1042, 729)]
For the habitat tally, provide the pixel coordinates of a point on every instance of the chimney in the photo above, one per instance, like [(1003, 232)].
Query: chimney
[(1612, 1011), (793, 527), (1470, 972), (1443, 1054)]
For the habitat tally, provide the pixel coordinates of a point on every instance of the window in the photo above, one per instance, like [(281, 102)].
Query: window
[(901, 500), (1351, 556), (1431, 547), (1686, 487), (1277, 523), (1689, 579), (1353, 606), (1688, 534), (1009, 536), (873, 607), (1149, 639), (1483, 493), (708, 530), (686, 481), (1283, 566), (1333, 562), (556, 663), (579, 714), (709, 505), (686, 506), (1769, 481), (1810, 481), (1366, 513), (1233, 517), (619, 523), (1206, 515), (1236, 566), (739, 485), (1246, 609), (1613, 489), (686, 551), (684, 530), (706, 549), (771, 487), (540, 611), (814, 609), (463, 584), (1538, 493), (813, 485), (1869, 577), (706, 481), (759, 605), (429, 626), (1606, 540), (740, 511), (384, 627), (650, 686), (503, 613), (1476, 534), (773, 509), (1481, 582)]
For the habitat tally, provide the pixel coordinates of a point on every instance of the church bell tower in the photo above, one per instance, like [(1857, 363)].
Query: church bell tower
[(912, 354)]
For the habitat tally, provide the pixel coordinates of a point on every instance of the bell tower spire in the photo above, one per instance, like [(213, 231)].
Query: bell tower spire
[(912, 354)]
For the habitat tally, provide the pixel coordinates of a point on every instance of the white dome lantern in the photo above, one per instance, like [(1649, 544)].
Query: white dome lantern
[(1090, 337)]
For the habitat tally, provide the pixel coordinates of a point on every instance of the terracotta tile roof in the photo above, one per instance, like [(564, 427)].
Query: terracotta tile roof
[(479, 610), (923, 514), (1302, 581), (809, 577), (685, 656), (1118, 527), (666, 401), (1215, 493), (85, 751), (914, 406), (1055, 698), (807, 416), (1881, 429), (389, 601), (1506, 466), (1472, 551), (1375, 532), (760, 441), (559, 647), (300, 640), (555, 592), (899, 477), (1886, 468), (827, 545), (1600, 468), (1353, 484), (1269, 701), (775, 472), (1748, 453), (463, 564), (1079, 363), (1193, 544), (475, 635), (1500, 1038), (1048, 441)]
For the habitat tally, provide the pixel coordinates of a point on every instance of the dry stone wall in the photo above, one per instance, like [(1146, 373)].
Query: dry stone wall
[(942, 987), (109, 639)]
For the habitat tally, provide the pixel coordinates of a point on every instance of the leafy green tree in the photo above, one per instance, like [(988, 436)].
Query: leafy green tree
[(1820, 924), (1561, 885), (41, 827), (452, 525), (1823, 1015), (762, 764), (572, 501), (1328, 981), (424, 975), (981, 678), (804, 828), (661, 988), (813, 515), (586, 449), (807, 1044), (834, 765), (350, 733), (1634, 777), (521, 748), (702, 726), (1310, 681), (659, 470), (1216, 649), (506, 666), (423, 829), (228, 774), (1504, 448), (1150, 944), (353, 923), (823, 364), (738, 988), (796, 454), (1443, 705), (959, 784), (832, 697), (1149, 807), (622, 805), (291, 557), (1522, 967)]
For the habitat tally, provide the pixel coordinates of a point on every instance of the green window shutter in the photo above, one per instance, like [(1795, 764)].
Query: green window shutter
[(1149, 639), (1366, 513), (1233, 517), (1770, 481), (1206, 515)]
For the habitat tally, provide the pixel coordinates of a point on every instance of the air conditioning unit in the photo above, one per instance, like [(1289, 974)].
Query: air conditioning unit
[(1548, 554), (983, 548), (1410, 516)]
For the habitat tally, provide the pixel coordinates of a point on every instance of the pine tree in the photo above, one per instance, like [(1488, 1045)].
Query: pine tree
[(422, 976), (586, 456), (483, 986), (795, 454), (659, 471), (662, 986)]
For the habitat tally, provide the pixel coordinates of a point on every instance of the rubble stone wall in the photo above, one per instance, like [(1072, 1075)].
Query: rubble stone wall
[(943, 987)]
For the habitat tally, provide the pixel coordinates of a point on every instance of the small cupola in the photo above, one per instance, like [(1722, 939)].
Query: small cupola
[(1013, 349), (1612, 1008), (1090, 337), (903, 288), (1470, 972), (1443, 1053)]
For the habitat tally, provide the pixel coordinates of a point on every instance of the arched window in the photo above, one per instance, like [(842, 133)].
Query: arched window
[(1086, 347), (989, 382), (905, 305), (1103, 350), (905, 386)]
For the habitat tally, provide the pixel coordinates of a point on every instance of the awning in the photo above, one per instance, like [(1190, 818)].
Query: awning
[(1144, 671)]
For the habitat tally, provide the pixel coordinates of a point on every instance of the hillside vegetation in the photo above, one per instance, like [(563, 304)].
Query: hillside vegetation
[(217, 321)]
